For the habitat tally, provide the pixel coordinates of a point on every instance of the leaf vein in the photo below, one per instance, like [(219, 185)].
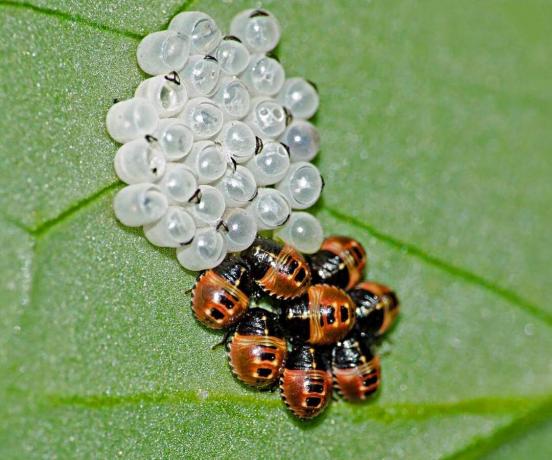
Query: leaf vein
[(519, 427), (478, 406), (458, 272), (509, 296), (70, 17), (45, 227)]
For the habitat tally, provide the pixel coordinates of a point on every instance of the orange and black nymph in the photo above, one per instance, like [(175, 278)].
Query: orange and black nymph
[(339, 262), (355, 368), (306, 382), (220, 296), (257, 349), (322, 316), (377, 307), (280, 271)]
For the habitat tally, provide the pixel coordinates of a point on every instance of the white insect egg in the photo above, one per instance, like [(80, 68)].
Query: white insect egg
[(210, 206), (179, 183), (216, 146), (303, 140), (238, 186), (174, 137), (166, 92), (232, 55), (131, 119), (264, 75), (201, 28), (239, 227), (176, 228), (300, 97), (207, 250), (207, 161), (271, 164), (162, 52), (201, 75), (238, 141), (270, 208), (302, 185), (203, 117), (139, 204), (139, 161), (233, 98), (267, 118), (258, 29), (303, 231)]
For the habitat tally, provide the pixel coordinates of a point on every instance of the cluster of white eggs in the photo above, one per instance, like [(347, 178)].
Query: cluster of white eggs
[(216, 144)]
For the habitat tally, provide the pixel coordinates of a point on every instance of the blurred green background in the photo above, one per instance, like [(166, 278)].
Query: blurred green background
[(435, 123)]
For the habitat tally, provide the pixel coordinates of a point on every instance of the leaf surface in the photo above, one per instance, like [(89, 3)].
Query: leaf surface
[(434, 120)]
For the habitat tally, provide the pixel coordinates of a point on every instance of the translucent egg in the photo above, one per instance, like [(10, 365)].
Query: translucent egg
[(240, 229), (258, 29), (303, 231), (139, 161), (237, 186), (238, 141), (131, 119), (174, 137), (165, 92), (202, 30), (232, 55), (270, 165), (300, 97), (302, 185), (201, 75), (270, 208), (207, 161), (207, 250), (264, 75), (210, 208), (178, 183), (267, 118), (203, 117), (303, 140), (162, 52), (233, 98), (176, 228), (139, 204)]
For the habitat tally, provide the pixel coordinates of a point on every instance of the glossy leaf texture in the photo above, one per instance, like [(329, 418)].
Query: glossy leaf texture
[(435, 124)]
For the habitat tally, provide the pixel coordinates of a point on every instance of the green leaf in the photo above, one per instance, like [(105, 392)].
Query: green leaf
[(435, 126)]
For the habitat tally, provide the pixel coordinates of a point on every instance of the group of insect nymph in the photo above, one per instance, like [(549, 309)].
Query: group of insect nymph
[(216, 157), (322, 327)]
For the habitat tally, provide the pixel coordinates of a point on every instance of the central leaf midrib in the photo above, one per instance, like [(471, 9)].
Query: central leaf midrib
[(478, 406)]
